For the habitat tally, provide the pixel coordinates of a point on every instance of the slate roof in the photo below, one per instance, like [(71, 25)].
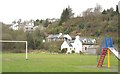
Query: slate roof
[(88, 40), (53, 36), (69, 42)]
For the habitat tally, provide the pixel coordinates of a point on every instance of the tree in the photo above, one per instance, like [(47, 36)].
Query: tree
[(31, 21), (87, 12), (41, 21), (30, 40), (35, 39), (97, 9), (19, 21), (117, 9), (46, 23), (36, 23), (25, 22), (14, 22), (37, 20), (66, 15), (71, 14), (104, 12)]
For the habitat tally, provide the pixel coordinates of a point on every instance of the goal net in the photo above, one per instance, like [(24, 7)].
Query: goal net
[(26, 48)]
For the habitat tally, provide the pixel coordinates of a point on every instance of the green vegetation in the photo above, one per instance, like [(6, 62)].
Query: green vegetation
[(0, 62), (66, 15), (93, 23), (45, 62)]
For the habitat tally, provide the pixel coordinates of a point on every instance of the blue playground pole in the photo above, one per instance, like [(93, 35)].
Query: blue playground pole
[(111, 42), (106, 43)]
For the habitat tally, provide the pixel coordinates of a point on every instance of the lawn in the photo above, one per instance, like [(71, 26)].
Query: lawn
[(45, 62)]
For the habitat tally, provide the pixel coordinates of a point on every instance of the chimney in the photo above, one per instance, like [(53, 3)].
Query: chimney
[(77, 37)]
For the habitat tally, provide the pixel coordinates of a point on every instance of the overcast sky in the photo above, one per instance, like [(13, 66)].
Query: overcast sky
[(42, 9)]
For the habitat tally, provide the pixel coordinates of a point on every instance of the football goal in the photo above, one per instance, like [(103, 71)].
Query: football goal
[(26, 48)]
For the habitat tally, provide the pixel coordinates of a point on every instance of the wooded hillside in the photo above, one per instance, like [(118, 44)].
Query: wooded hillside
[(93, 23)]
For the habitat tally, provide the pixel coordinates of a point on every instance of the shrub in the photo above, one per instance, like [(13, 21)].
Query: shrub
[(64, 50)]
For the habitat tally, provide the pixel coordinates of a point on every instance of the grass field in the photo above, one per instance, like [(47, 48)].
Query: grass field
[(44, 62)]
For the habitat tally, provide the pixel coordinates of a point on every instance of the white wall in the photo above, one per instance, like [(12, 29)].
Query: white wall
[(85, 46), (28, 28), (14, 27), (90, 49), (64, 45), (77, 45)]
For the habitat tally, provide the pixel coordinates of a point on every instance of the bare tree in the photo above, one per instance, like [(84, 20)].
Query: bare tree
[(97, 9)]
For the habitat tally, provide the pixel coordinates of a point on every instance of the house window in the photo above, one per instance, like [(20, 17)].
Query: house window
[(85, 48), (85, 41)]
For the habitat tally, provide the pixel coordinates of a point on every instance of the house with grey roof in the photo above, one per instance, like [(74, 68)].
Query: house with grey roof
[(79, 45), (58, 37)]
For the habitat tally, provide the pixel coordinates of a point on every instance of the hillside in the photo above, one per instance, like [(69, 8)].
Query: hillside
[(93, 24), (96, 26)]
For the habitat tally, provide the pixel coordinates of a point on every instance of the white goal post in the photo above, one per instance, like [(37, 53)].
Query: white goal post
[(19, 42)]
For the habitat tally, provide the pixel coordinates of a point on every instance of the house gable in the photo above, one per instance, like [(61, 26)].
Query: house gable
[(65, 45)]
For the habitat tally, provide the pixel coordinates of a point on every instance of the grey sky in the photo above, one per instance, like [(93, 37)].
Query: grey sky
[(42, 9)]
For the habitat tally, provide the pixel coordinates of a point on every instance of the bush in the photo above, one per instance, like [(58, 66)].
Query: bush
[(81, 26), (18, 51), (52, 46), (64, 50), (73, 51), (97, 33)]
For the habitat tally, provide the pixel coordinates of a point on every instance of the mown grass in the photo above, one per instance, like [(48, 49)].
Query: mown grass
[(44, 62), (0, 62)]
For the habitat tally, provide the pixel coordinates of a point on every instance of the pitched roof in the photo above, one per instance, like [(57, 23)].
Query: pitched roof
[(88, 40), (69, 42), (57, 36), (53, 36)]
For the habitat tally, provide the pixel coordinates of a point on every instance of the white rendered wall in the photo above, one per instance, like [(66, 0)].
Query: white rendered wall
[(77, 45)]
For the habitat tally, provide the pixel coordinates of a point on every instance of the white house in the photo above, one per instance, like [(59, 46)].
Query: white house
[(72, 45), (55, 37), (67, 45), (88, 43), (78, 45), (27, 26), (58, 37), (52, 20), (14, 27)]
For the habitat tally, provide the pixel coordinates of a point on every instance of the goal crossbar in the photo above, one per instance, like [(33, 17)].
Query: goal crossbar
[(7, 41)]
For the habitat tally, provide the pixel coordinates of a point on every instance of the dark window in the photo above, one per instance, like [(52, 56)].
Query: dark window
[(85, 48), (85, 41)]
